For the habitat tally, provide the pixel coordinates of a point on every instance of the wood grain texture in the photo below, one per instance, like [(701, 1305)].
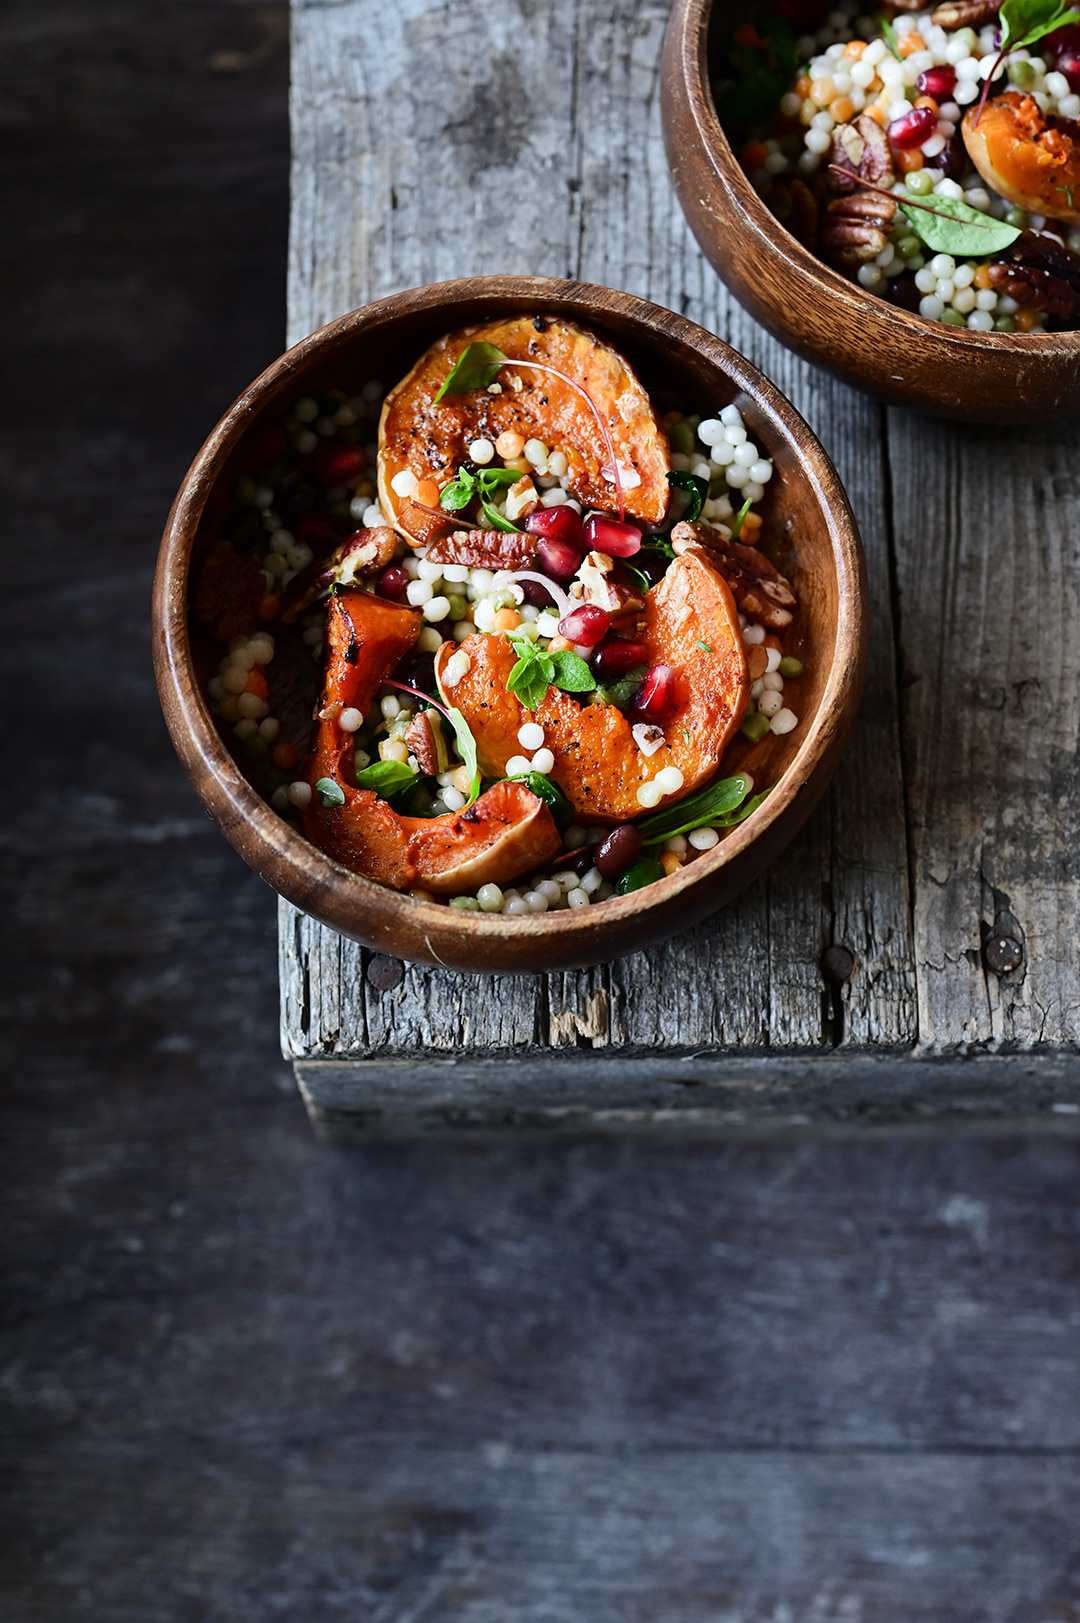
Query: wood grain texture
[(378, 167)]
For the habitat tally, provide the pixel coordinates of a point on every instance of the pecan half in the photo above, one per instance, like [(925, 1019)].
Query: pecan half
[(228, 590), (360, 556), (965, 13), (758, 587), (862, 149), (483, 549), (1039, 271), (420, 739), (855, 229)]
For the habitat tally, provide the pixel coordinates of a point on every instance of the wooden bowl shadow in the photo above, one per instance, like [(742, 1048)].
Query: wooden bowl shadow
[(682, 364), (899, 357)]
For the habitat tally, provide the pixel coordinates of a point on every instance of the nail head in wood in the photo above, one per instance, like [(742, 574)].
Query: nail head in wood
[(1003, 954), (838, 964), (385, 973)]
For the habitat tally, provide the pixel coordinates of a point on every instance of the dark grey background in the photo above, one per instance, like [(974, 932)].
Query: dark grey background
[(247, 1377)]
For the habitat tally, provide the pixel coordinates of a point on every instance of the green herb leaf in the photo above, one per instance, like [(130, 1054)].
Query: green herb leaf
[(533, 674), (705, 647), (736, 528), (466, 748), (964, 231), (706, 807), (561, 809), (572, 675), (492, 479), (644, 871), (742, 813), (497, 520), (621, 693), (697, 490), (1025, 21), (329, 792), (460, 493), (386, 778), (888, 34), (476, 367)]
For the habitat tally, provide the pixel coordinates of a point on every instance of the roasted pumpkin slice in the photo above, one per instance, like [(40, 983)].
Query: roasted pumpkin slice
[(1031, 160), (506, 830), (432, 440), (691, 625)]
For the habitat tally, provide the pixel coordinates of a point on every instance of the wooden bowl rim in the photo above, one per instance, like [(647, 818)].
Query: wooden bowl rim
[(284, 857), (691, 19)]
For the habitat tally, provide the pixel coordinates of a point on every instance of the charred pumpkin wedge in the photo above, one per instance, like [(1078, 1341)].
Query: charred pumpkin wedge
[(1031, 160), (431, 440), (506, 830), (690, 624)]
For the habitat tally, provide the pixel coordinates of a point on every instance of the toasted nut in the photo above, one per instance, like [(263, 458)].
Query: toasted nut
[(758, 587), (854, 230), (862, 149), (965, 13)]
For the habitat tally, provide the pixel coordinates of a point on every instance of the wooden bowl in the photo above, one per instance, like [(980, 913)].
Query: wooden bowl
[(902, 358), (821, 552)]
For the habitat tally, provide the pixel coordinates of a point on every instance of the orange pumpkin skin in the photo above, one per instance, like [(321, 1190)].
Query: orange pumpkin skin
[(503, 832), (691, 624), (1032, 160), (433, 440)]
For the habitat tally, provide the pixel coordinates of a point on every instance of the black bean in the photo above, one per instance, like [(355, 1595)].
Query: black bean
[(615, 854)]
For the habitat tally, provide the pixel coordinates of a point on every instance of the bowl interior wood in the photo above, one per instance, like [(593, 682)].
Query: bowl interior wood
[(889, 352), (805, 511)]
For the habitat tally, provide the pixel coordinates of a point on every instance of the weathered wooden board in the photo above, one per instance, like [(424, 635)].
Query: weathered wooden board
[(563, 173)]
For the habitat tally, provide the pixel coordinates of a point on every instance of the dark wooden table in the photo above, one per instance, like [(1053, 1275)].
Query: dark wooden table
[(244, 1377), (447, 138)]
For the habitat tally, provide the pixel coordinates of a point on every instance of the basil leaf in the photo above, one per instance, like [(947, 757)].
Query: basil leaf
[(888, 34), (385, 777), (561, 809), (459, 494), (621, 693), (645, 871), (572, 675), (697, 489), (531, 677), (1025, 21), (329, 792), (497, 520), (490, 479), (736, 528), (466, 748), (965, 231), (706, 807), (476, 367), (742, 813)]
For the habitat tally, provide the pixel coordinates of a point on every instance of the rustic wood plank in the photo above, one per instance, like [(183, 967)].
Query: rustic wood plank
[(563, 173), (988, 565)]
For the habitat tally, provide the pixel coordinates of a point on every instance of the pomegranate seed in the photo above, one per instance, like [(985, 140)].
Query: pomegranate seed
[(1069, 65), (655, 699), (1062, 42), (558, 558), (608, 535), (585, 626), (953, 158), (652, 564), (913, 129), (334, 464), (559, 523), (392, 583), (939, 82), (616, 656), (904, 294)]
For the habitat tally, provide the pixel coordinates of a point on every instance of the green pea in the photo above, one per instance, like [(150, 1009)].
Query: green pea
[(1022, 74), (755, 727), (1017, 217), (682, 438), (640, 873), (918, 181), (244, 489), (273, 779), (790, 666), (907, 247), (1004, 324), (255, 747), (465, 904), (953, 318)]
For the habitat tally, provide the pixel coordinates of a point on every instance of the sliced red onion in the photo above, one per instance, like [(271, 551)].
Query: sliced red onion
[(562, 602)]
